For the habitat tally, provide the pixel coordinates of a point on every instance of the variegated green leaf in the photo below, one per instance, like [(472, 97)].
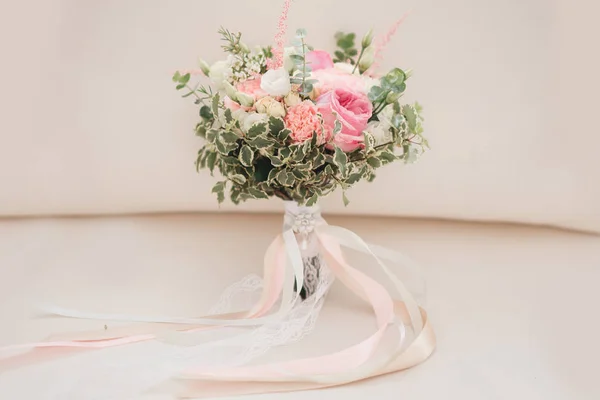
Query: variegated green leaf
[(283, 135), (285, 178), (369, 142), (228, 137), (276, 125), (275, 161), (285, 153), (238, 178), (219, 189), (345, 198), (318, 161), (246, 156), (261, 142), (211, 160), (374, 162), (387, 157), (211, 135), (228, 116), (257, 130), (341, 160), (257, 194), (312, 200), (225, 148), (215, 104)]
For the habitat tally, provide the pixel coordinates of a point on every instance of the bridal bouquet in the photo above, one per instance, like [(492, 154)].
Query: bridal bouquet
[(296, 122)]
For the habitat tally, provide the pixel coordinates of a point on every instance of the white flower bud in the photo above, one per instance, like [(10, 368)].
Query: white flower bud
[(204, 66), (367, 39), (367, 59), (244, 99), (230, 90)]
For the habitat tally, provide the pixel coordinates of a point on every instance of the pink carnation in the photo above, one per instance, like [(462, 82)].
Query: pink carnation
[(303, 120), (251, 87)]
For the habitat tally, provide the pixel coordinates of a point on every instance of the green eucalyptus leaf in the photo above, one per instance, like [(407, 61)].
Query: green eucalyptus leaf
[(246, 156), (176, 76), (301, 33)]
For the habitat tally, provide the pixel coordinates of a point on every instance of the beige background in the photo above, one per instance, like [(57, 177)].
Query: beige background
[(92, 124)]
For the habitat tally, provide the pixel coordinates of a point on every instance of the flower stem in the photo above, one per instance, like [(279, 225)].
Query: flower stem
[(362, 50)]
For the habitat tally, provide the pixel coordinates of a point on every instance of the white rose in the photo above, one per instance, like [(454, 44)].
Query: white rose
[(380, 131), (270, 106), (292, 99), (276, 82), (252, 119), (218, 73)]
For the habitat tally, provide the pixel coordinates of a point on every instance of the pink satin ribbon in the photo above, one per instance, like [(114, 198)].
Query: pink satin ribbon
[(363, 360)]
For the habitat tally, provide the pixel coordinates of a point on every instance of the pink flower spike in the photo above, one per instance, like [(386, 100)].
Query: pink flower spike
[(383, 41), (277, 60)]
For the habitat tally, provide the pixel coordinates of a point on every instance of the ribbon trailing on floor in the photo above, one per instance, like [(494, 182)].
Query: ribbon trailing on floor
[(402, 339)]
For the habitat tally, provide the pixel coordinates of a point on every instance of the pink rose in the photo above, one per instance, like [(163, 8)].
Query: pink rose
[(353, 111), (251, 87), (304, 122), (319, 59)]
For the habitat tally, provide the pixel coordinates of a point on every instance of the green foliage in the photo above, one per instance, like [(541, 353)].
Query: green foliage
[(263, 161), (347, 50)]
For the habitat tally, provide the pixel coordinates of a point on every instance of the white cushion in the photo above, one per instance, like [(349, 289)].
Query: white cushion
[(92, 123), (514, 308)]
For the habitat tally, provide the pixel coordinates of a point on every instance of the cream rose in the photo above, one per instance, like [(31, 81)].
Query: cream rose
[(270, 106), (292, 99), (276, 82)]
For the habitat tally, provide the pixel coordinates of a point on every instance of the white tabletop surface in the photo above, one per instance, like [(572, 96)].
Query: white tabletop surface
[(515, 308)]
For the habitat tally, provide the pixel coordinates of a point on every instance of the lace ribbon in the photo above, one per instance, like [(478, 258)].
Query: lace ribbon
[(403, 336)]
